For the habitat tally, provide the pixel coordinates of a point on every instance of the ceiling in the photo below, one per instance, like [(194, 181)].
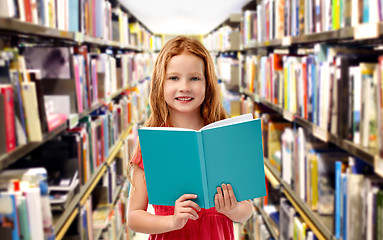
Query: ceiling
[(182, 17)]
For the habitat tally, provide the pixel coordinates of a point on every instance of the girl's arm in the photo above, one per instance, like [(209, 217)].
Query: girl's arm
[(226, 203), (139, 220)]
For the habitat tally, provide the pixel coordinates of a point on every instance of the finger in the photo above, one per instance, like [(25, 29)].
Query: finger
[(226, 196), (190, 211), (186, 197), (191, 204), (188, 216), (216, 202), (233, 199), (220, 197)]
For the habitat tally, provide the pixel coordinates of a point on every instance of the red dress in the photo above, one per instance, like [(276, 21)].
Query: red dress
[(210, 224)]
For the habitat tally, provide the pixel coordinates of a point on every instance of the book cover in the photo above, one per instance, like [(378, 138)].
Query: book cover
[(83, 50), (38, 218), (8, 214), (64, 90), (354, 203), (35, 77), (78, 83), (327, 179), (274, 143), (20, 125), (22, 211), (53, 62), (367, 105), (179, 161), (31, 112)]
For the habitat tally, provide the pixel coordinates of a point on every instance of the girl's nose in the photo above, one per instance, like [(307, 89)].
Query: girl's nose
[(184, 86)]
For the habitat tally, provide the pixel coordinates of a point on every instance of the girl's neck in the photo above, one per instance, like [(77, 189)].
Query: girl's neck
[(189, 121)]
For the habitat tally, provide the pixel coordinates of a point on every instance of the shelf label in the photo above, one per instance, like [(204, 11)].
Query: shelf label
[(288, 115), (286, 41), (321, 133), (73, 120), (78, 37), (256, 98), (366, 31)]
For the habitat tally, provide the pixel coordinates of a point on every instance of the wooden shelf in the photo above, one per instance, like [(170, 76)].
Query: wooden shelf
[(7, 159), (26, 29), (344, 34)]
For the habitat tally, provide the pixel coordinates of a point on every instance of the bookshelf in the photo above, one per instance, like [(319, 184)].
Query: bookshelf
[(265, 32), (18, 34), (321, 226), (368, 155), (97, 232)]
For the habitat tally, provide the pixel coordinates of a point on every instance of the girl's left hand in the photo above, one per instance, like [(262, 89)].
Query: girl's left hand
[(225, 201)]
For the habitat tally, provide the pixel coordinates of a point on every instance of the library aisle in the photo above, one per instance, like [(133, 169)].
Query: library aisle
[(75, 78)]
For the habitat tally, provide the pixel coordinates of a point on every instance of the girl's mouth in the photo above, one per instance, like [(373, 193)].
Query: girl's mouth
[(184, 99)]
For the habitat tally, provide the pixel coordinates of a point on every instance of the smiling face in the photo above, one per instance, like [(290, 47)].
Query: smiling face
[(185, 84)]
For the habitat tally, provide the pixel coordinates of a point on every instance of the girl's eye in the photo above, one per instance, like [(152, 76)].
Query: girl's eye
[(194, 79), (173, 78)]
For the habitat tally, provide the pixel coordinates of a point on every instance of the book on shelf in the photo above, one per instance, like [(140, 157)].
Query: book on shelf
[(286, 216), (3, 136), (326, 179), (6, 92), (300, 228), (8, 217), (53, 62), (20, 121), (227, 151), (31, 112), (35, 77), (59, 200), (61, 157), (10, 75), (33, 186), (274, 146)]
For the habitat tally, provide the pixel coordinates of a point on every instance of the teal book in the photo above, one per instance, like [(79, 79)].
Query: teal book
[(181, 161)]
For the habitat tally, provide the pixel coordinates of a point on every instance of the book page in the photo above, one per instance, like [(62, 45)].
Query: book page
[(169, 129), (224, 122), (229, 121)]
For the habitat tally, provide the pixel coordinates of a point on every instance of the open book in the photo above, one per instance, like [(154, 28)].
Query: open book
[(179, 161)]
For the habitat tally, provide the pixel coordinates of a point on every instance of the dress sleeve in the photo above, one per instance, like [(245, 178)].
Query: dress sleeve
[(137, 157)]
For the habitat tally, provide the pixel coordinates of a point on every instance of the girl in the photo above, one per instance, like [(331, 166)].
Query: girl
[(184, 93)]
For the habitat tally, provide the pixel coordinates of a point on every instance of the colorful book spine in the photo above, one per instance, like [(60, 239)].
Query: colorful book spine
[(6, 91), (338, 199), (8, 213)]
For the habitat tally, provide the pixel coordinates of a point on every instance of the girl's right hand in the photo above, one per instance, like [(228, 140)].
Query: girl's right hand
[(184, 210)]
